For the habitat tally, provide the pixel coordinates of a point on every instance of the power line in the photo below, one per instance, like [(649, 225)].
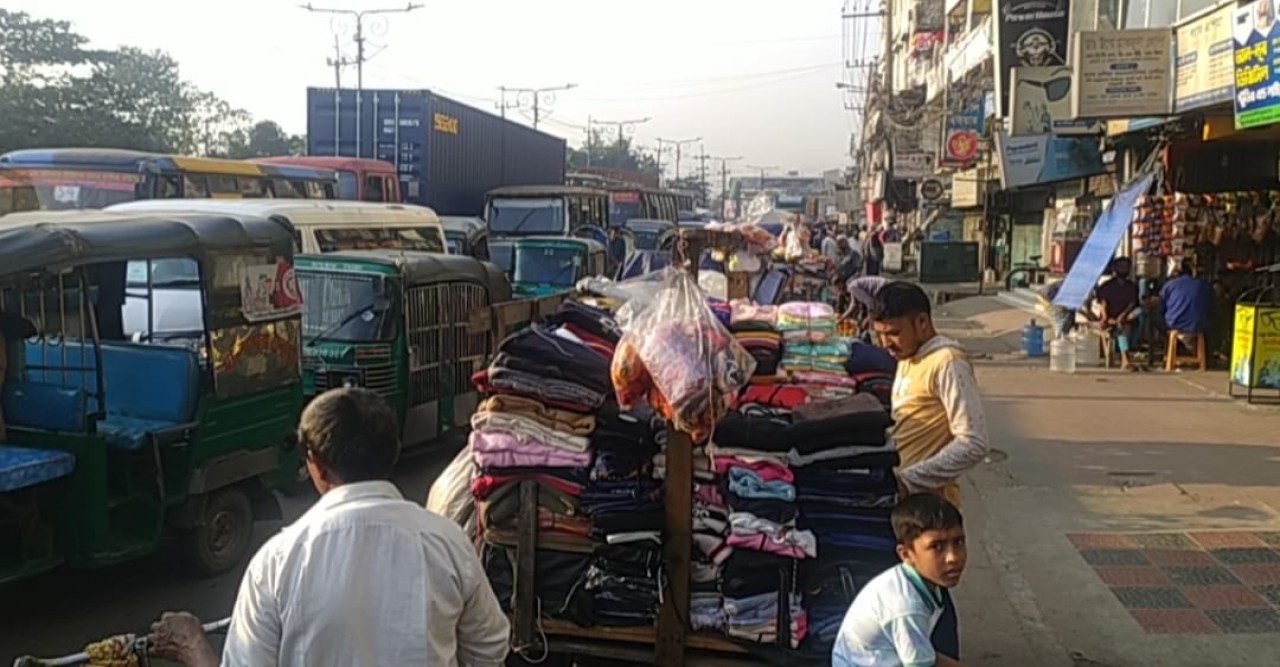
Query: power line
[(623, 126), (724, 181), (359, 37), (535, 98), (710, 93), (678, 143)]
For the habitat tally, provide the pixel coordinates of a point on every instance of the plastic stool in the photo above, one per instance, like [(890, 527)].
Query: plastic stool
[(1200, 357)]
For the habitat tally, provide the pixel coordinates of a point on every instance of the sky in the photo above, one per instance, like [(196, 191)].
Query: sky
[(752, 78)]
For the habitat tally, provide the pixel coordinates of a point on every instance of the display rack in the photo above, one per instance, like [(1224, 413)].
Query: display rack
[(671, 642)]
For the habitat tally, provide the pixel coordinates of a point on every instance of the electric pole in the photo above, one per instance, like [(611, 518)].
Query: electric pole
[(678, 143), (724, 181), (337, 62), (625, 127), (536, 98), (762, 171), (702, 174), (359, 17), (503, 106)]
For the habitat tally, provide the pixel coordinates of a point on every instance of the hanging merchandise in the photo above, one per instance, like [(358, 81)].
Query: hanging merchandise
[(677, 355)]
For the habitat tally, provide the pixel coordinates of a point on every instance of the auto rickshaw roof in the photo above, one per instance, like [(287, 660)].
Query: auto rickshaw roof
[(427, 268), (62, 239)]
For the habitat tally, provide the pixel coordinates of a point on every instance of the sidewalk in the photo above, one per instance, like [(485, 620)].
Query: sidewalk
[(1125, 519)]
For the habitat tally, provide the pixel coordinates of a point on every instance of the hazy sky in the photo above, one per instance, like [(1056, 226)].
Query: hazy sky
[(752, 77)]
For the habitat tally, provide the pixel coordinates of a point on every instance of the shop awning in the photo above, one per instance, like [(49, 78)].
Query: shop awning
[(1101, 245)]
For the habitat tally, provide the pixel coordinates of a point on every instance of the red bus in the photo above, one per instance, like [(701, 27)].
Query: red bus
[(359, 179)]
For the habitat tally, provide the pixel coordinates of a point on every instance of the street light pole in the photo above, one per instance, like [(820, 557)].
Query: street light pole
[(537, 97), (359, 17), (678, 143)]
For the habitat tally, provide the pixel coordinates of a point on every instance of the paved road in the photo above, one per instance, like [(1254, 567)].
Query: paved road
[(61, 612)]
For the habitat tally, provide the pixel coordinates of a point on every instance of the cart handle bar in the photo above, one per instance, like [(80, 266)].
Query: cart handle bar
[(138, 645)]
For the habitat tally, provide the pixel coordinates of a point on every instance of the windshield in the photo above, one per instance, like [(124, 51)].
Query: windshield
[(334, 297), (546, 266), (62, 189), (348, 185), (420, 239), (622, 209), (646, 239), (164, 273), (527, 216)]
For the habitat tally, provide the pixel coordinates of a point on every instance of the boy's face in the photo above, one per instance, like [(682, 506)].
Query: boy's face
[(938, 555)]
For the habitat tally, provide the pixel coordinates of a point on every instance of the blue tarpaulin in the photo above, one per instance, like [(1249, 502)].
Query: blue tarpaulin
[(1101, 246)]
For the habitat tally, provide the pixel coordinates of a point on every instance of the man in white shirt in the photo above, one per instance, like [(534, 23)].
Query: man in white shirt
[(831, 248), (364, 577)]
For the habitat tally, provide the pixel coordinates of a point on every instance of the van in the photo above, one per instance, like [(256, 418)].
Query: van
[(326, 226)]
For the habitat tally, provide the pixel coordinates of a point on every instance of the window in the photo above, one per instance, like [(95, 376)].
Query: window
[(422, 239), (316, 190), (163, 303), (223, 185), (169, 186), (348, 185), (252, 187), (283, 189), (194, 187), (373, 188), (1190, 7), (344, 307)]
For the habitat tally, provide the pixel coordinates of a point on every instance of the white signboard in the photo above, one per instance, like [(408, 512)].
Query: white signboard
[(1040, 103), (1122, 73), (893, 257), (912, 165)]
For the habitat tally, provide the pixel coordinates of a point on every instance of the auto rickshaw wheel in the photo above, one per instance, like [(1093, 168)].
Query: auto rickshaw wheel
[(223, 535)]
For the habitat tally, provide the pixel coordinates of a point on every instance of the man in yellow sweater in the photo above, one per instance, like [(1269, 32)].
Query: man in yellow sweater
[(939, 425)]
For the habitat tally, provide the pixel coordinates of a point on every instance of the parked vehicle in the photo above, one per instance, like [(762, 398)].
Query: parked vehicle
[(522, 211), (78, 178), (331, 226), (544, 265), (359, 179), (652, 234), (447, 154), (399, 323), (466, 236), (115, 442), (628, 202)]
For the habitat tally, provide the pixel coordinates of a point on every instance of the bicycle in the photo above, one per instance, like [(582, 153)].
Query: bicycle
[(1032, 273)]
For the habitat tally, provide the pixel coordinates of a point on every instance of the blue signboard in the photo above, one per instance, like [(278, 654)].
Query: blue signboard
[(1254, 34), (1101, 246), (962, 136), (1045, 158)]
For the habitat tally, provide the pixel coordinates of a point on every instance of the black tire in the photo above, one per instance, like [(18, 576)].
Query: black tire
[(224, 534)]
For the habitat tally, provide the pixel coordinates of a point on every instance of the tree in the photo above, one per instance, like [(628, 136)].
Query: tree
[(265, 138), (616, 152), (55, 92)]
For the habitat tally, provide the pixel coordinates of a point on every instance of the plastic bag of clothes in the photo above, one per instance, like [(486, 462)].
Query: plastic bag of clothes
[(450, 495), (676, 355)]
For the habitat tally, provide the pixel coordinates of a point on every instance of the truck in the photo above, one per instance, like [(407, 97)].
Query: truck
[(446, 154)]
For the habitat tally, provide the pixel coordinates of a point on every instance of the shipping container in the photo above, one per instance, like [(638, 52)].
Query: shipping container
[(447, 154)]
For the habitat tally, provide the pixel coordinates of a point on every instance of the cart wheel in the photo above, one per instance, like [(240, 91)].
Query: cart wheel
[(224, 534)]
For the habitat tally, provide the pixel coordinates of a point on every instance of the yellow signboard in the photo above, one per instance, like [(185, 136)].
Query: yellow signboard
[(446, 124), (1255, 352), (1205, 62)]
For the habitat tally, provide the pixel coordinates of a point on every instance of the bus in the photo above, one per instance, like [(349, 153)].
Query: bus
[(632, 203), (74, 178), (362, 179)]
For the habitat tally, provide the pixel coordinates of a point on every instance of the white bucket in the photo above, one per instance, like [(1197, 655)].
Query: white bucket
[(1062, 355), (1088, 348)]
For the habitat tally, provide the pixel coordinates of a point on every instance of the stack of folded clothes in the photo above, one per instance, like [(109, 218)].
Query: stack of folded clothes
[(548, 386), (624, 503), (755, 328), (812, 351), (845, 493), (752, 585)]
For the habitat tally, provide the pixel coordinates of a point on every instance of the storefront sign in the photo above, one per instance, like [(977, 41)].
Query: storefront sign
[(912, 165), (1101, 246), (1028, 33), (1045, 158), (970, 51), (1255, 352), (269, 291), (1040, 103), (1257, 73), (1122, 73), (931, 190), (966, 189), (1205, 69), (962, 133)]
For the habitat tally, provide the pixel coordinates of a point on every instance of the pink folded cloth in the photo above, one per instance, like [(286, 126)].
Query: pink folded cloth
[(807, 310), (498, 449), (709, 494), (808, 336), (767, 471), (746, 311), (827, 379), (769, 545)]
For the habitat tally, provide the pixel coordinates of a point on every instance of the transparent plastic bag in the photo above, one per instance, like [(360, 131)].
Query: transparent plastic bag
[(450, 495), (677, 356)]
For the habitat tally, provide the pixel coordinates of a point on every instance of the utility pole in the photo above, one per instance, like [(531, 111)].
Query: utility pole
[(702, 174), (536, 98), (503, 106), (762, 171), (724, 181), (625, 127), (337, 62), (678, 143), (359, 17)]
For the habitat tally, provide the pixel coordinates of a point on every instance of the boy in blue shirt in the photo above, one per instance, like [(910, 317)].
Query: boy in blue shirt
[(891, 621)]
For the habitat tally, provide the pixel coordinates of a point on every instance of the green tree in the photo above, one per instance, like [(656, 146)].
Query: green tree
[(614, 152), (263, 139)]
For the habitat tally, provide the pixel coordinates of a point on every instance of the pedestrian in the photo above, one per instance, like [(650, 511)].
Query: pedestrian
[(1187, 302), (862, 296), (939, 423), (365, 577), (831, 248), (1118, 299), (872, 252), (893, 617)]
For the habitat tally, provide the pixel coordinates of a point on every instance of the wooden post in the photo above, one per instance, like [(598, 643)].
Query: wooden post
[(526, 603)]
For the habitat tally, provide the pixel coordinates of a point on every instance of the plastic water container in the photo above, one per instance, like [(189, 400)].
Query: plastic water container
[(1062, 355), (1033, 339), (1088, 351)]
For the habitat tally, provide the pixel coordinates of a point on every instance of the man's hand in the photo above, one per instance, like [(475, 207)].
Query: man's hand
[(178, 636)]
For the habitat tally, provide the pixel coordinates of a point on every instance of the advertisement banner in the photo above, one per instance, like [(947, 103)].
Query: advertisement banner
[(1028, 33), (1255, 350), (1257, 70), (1101, 246), (1122, 73), (1044, 158), (1040, 103), (962, 130), (269, 291), (912, 165), (1205, 69), (970, 51)]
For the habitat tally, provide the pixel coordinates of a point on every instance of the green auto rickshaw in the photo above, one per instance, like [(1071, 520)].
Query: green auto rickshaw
[(402, 324), (118, 432), (544, 265)]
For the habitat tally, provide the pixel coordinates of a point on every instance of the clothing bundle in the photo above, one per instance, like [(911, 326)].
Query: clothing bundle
[(755, 329)]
